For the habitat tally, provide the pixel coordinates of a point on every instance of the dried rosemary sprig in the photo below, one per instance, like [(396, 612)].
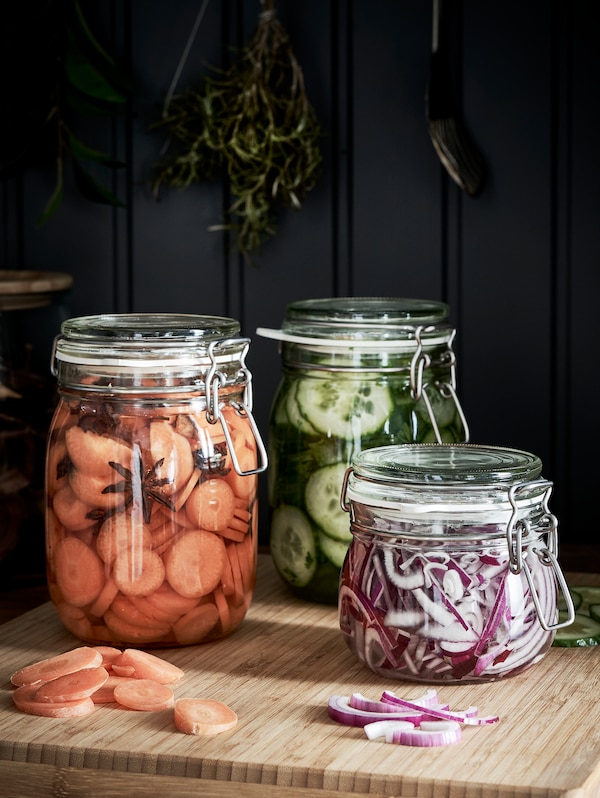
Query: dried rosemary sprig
[(252, 122)]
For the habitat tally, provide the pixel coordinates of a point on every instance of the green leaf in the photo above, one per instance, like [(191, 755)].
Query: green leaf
[(90, 106), (85, 29), (93, 51), (85, 153), (87, 78), (91, 189), (53, 203)]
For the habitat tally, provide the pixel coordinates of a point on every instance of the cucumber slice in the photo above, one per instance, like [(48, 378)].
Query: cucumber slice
[(576, 598), (595, 612), (584, 631), (332, 405), (443, 407), (322, 498), (589, 594), (292, 545), (295, 414), (334, 550)]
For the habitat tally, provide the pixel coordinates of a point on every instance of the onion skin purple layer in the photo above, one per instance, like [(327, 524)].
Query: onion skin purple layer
[(463, 618)]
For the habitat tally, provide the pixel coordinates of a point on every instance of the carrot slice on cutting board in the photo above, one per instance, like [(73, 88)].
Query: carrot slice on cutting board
[(148, 666), (144, 695), (203, 717), (72, 686), (25, 701), (109, 655), (46, 669), (106, 693)]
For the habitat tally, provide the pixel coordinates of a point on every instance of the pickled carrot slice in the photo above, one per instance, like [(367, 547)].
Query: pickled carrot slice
[(203, 717), (79, 571), (244, 486), (71, 512), (72, 686), (194, 563), (75, 620), (227, 580), (144, 695), (195, 625), (232, 534), (224, 611), (106, 693), (105, 598), (238, 594), (45, 669), (171, 456), (91, 453), (149, 666), (124, 631), (239, 524), (89, 488), (167, 600), (123, 532), (109, 655), (246, 554), (25, 701), (138, 573), (211, 505)]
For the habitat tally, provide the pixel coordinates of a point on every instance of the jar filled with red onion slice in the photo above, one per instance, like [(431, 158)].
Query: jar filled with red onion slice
[(452, 574)]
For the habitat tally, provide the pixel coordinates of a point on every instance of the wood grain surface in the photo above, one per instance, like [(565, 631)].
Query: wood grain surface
[(277, 671)]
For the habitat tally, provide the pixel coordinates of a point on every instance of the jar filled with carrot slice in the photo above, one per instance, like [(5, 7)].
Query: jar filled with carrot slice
[(151, 479)]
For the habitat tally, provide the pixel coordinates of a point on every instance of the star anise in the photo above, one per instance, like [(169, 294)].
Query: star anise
[(140, 483)]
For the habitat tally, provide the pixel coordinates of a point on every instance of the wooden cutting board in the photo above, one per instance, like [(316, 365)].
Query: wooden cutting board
[(277, 671)]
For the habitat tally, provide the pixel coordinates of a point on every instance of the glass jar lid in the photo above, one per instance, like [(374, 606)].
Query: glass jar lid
[(360, 321), (148, 340), (151, 328), (459, 464), (431, 481)]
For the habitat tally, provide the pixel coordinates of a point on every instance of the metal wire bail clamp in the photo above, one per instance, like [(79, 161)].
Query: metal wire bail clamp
[(216, 379), (519, 528)]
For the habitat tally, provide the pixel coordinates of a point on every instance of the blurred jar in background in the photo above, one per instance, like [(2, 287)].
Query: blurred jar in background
[(31, 312)]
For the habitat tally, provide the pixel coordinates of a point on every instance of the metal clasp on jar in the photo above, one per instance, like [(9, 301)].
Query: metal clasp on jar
[(519, 528), (418, 389), (215, 379)]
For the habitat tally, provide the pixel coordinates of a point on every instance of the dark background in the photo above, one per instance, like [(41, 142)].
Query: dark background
[(518, 265)]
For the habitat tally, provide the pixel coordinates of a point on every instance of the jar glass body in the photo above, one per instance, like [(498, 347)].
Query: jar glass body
[(450, 582), (151, 482), (337, 397)]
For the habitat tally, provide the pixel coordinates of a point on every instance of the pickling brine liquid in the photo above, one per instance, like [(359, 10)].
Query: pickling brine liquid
[(340, 394), (452, 574), (417, 613), (151, 482)]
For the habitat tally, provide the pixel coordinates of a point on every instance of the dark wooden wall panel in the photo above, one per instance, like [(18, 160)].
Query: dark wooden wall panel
[(505, 319), (396, 198), (518, 265)]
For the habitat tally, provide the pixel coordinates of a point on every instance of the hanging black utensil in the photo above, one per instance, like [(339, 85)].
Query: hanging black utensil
[(453, 144)]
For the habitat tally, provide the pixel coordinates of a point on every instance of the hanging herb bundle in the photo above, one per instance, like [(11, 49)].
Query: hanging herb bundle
[(254, 124)]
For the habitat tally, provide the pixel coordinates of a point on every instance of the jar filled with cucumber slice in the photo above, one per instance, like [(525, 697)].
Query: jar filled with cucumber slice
[(357, 373)]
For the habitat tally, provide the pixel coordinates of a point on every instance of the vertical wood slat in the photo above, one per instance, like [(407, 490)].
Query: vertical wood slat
[(562, 118)]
